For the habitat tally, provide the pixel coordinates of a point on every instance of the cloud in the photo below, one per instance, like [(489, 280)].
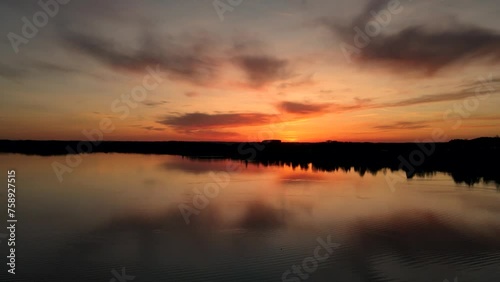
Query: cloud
[(195, 58), (257, 62), (417, 48), (429, 52), (34, 68), (10, 72), (152, 128), (188, 61), (191, 94), (484, 89), (261, 70), (402, 125), (487, 87), (306, 80), (359, 104), (46, 66), (480, 91), (303, 108), (202, 121), (211, 135), (483, 83), (145, 127), (443, 97), (324, 108), (150, 103)]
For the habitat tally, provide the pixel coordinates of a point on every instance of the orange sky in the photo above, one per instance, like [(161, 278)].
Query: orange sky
[(290, 70)]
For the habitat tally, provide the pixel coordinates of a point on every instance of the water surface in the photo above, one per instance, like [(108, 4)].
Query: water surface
[(122, 210)]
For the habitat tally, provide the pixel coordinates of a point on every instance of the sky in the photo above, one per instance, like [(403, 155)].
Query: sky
[(248, 70)]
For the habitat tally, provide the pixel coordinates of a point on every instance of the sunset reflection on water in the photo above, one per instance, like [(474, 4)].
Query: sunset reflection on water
[(118, 210)]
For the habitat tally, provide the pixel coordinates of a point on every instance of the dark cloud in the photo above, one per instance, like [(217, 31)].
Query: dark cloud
[(10, 72), (257, 61), (427, 51), (417, 48), (261, 70), (194, 58), (188, 61), (302, 108), (202, 121)]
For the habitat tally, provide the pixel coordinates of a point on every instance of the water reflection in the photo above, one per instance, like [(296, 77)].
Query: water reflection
[(119, 210), (459, 175)]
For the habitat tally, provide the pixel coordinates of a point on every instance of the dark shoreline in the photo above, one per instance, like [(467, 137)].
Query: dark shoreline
[(467, 161)]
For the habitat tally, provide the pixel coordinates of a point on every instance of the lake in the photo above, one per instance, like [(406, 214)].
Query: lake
[(167, 218)]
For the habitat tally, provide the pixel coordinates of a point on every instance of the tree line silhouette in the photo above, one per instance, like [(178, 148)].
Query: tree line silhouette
[(467, 161)]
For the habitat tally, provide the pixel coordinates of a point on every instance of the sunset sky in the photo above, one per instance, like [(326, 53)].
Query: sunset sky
[(260, 70)]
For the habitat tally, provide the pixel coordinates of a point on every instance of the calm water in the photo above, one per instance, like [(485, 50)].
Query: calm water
[(118, 210)]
